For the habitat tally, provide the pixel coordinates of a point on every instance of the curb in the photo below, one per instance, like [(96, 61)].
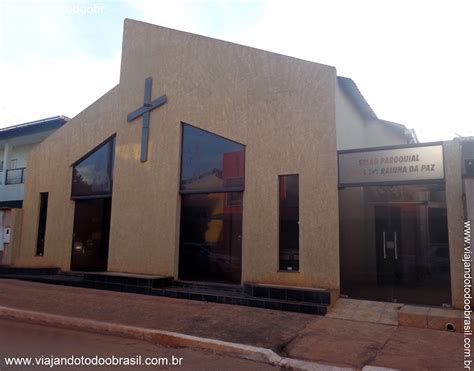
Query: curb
[(167, 338)]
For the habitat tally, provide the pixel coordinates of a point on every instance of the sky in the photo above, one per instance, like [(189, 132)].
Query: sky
[(413, 60)]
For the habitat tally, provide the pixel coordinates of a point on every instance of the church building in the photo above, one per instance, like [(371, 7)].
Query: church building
[(220, 163)]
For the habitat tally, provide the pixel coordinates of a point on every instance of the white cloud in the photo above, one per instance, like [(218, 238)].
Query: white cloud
[(43, 87), (43, 69), (180, 15), (411, 59)]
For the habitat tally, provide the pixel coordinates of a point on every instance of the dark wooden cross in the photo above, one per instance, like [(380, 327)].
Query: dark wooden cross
[(148, 106)]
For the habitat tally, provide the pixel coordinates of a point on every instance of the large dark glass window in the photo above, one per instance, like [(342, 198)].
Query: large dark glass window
[(212, 184), (42, 223), (289, 222), (210, 162), (93, 174)]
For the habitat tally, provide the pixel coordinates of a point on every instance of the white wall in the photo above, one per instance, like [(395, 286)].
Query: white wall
[(353, 131), (20, 153), (14, 192)]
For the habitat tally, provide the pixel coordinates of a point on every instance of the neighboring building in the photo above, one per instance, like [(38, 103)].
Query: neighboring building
[(467, 151), (15, 144), (357, 124), (467, 166), (236, 177)]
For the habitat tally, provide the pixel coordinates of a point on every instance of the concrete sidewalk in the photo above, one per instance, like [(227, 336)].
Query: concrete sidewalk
[(307, 337)]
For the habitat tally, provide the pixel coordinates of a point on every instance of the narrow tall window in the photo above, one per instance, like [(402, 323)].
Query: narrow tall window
[(42, 223), (289, 222)]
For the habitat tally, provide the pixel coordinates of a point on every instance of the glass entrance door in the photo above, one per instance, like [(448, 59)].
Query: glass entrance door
[(399, 233), (211, 237), (91, 235), (394, 244), (387, 231)]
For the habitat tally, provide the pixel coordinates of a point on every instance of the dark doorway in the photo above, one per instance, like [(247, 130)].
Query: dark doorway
[(211, 237), (91, 235)]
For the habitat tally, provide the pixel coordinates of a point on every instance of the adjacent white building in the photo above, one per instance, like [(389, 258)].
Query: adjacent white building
[(15, 144), (357, 124)]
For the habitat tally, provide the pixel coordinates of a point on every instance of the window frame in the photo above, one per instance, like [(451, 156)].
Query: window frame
[(214, 189), (112, 165), (42, 223), (280, 268)]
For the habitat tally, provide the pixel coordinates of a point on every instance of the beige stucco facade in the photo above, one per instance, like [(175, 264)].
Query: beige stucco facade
[(282, 109), (13, 219), (290, 114)]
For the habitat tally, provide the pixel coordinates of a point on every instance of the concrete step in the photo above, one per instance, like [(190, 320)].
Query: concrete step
[(8, 270), (207, 286), (127, 283), (235, 298), (54, 279), (128, 279), (444, 319), (71, 273), (297, 294), (252, 295)]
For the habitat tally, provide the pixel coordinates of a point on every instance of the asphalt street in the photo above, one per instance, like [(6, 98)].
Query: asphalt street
[(42, 343)]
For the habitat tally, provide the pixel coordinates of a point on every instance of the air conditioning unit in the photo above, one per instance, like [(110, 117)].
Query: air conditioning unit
[(469, 167)]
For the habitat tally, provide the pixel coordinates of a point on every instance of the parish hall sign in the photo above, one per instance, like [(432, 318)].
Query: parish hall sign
[(391, 165)]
